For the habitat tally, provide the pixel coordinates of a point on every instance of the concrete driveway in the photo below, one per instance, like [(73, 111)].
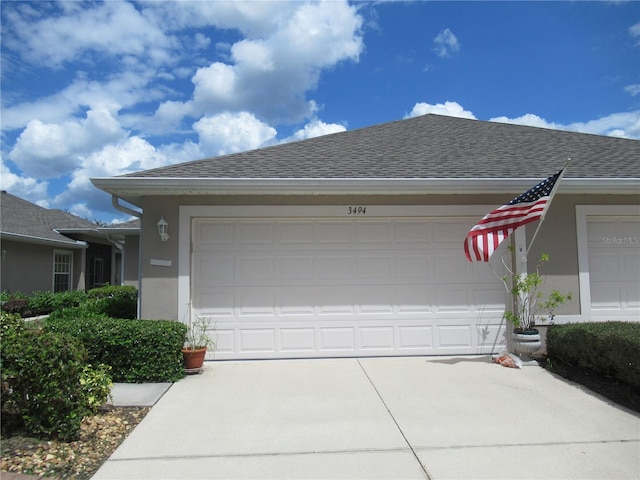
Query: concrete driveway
[(395, 418)]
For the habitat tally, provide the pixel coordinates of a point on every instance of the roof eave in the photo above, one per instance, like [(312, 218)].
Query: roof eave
[(132, 188), (17, 237)]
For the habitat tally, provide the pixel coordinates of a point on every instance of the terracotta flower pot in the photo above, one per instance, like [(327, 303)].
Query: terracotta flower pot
[(193, 359)]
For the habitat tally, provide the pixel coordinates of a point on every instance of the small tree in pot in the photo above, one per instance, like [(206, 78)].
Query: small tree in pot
[(196, 343), (528, 304)]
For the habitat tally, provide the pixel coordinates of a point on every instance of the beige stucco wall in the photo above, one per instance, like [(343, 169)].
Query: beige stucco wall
[(557, 237), (131, 259), (28, 267)]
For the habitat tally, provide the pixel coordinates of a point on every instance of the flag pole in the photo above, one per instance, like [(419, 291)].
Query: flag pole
[(551, 195)]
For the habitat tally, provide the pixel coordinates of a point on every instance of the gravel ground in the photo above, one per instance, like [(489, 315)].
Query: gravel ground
[(99, 437)]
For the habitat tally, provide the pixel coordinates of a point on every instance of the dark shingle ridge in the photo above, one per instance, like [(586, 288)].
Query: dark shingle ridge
[(429, 146)]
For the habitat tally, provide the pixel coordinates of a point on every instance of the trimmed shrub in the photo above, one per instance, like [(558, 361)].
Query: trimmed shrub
[(115, 301), (137, 350), (49, 301), (47, 386), (608, 348)]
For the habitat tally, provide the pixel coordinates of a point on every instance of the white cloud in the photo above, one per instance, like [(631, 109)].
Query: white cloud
[(446, 44), (21, 186), (286, 62), (528, 119), (633, 89), (131, 155), (51, 37), (316, 128), (52, 150), (452, 109), (122, 90), (232, 132), (624, 124), (634, 31)]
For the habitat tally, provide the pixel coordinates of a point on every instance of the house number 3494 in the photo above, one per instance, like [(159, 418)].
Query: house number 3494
[(357, 210)]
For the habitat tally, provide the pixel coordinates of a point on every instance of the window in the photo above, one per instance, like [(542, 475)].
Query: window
[(62, 263)]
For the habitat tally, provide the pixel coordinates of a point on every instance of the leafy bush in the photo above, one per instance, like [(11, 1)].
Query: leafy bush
[(97, 384), (136, 350), (608, 348), (115, 301), (118, 301), (49, 301), (47, 386)]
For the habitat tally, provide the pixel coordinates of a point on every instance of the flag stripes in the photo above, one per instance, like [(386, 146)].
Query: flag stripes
[(495, 227)]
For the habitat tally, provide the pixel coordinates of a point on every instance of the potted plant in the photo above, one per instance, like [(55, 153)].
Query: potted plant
[(528, 303), (196, 343)]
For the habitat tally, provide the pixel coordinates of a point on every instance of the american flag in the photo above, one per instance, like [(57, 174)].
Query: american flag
[(484, 238)]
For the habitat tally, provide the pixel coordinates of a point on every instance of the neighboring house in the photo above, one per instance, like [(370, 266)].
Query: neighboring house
[(351, 244), (127, 236), (52, 250)]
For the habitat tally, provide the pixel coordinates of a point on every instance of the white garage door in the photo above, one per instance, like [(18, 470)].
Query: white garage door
[(614, 267), (322, 287)]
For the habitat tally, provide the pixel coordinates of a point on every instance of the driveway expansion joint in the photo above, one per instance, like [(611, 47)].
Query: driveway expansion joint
[(424, 469)]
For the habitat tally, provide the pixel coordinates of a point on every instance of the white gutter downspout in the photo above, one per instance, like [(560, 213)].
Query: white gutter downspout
[(121, 208)]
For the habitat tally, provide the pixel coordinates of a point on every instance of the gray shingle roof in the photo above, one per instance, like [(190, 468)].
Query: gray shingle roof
[(429, 146), (23, 218)]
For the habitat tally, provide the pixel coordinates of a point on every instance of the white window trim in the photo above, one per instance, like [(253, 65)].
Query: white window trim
[(53, 273), (582, 214)]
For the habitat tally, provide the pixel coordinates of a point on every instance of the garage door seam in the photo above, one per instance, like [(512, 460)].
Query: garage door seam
[(395, 421)]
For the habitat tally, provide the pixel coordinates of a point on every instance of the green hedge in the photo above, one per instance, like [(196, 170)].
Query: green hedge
[(137, 350), (115, 301), (118, 301), (47, 384), (608, 348)]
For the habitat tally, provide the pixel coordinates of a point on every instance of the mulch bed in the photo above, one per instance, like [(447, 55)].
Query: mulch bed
[(611, 388), (99, 437)]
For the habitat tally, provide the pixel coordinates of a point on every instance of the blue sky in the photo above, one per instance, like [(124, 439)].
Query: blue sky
[(97, 89)]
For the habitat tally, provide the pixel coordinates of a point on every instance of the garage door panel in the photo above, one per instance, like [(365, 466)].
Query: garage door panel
[(630, 265), (377, 338), (256, 301), (487, 300), (255, 233), (298, 340), (296, 302), (310, 287), (337, 339), (413, 232), (378, 266), (490, 335), (329, 233), (373, 232), (211, 271), (252, 269), (262, 340), (413, 268), (454, 336), (614, 267), (335, 301), (452, 300), (295, 233), (448, 232), (295, 268), (333, 267), (450, 268), (418, 337), (376, 300), (225, 342), (415, 299), (219, 304)]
